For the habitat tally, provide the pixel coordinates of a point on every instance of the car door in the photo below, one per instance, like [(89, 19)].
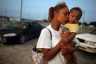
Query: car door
[(35, 30), (29, 31)]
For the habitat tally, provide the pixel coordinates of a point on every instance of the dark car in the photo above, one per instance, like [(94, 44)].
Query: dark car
[(20, 31)]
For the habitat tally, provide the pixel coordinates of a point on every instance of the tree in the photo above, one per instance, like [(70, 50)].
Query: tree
[(85, 24)]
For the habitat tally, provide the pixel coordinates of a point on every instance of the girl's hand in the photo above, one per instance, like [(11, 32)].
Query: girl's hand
[(63, 49), (67, 49)]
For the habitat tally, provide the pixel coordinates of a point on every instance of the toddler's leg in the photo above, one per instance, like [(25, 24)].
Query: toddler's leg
[(74, 59), (68, 58)]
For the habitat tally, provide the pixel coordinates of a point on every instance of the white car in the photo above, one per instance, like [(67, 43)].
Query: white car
[(87, 41)]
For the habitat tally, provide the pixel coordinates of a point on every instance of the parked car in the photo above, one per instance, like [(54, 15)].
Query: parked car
[(87, 41), (20, 31)]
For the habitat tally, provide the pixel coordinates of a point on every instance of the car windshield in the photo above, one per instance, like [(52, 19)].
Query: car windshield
[(93, 32), (15, 24)]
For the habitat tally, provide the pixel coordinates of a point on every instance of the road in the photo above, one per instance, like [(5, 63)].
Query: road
[(85, 57), (21, 54)]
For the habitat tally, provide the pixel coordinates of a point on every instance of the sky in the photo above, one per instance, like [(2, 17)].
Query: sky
[(38, 9)]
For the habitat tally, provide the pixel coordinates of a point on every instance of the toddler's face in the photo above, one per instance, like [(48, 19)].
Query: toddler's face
[(74, 16)]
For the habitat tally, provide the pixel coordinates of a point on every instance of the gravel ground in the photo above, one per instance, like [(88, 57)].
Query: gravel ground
[(17, 53)]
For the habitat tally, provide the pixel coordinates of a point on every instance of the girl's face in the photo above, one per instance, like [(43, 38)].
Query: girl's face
[(62, 15)]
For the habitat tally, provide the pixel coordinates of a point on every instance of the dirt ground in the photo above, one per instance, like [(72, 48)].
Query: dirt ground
[(17, 53)]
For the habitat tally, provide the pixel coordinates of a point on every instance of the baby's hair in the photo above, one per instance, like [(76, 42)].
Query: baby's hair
[(58, 7), (78, 9)]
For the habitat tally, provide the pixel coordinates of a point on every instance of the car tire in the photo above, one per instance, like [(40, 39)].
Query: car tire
[(22, 39)]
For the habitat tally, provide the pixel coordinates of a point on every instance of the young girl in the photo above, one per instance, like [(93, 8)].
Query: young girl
[(51, 48)]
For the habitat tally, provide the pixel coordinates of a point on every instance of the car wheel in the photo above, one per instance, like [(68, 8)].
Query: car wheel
[(22, 39)]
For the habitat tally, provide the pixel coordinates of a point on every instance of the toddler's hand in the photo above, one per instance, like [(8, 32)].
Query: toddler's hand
[(64, 36)]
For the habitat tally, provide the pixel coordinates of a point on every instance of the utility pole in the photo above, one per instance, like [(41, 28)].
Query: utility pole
[(83, 16), (21, 9), (1, 12), (5, 12)]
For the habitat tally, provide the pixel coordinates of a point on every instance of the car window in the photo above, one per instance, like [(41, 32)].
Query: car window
[(35, 25), (15, 24)]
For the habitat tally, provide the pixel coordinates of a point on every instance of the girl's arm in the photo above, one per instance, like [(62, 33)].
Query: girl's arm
[(51, 53)]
